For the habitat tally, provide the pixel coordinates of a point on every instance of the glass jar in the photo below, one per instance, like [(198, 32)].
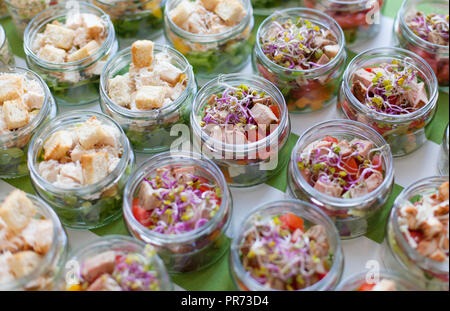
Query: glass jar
[(359, 282), (247, 164), (304, 90), (214, 54), (400, 256), (3, 9), (134, 20), (14, 145), (6, 55), (405, 133), (443, 155), (437, 56), (149, 131), (359, 19), (122, 245), (72, 83), (192, 250), (267, 7), (43, 277), (88, 206), (351, 216), (311, 216)]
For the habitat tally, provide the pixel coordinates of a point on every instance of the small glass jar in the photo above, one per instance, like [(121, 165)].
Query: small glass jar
[(3, 9), (400, 256), (14, 145), (72, 83), (404, 133), (193, 250), (359, 19), (89, 206), (351, 216), (437, 56), (443, 154), (267, 7), (6, 55), (311, 216), (43, 277), (149, 131), (214, 54), (121, 245), (304, 90), (250, 164), (358, 282), (134, 20)]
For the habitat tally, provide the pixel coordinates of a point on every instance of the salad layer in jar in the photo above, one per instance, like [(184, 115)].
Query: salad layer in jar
[(6, 55), (443, 162), (32, 243), (243, 128), (423, 28), (302, 52), (180, 205), (381, 281), (3, 9), (346, 169), (213, 35), (393, 91), (150, 95), (267, 7)]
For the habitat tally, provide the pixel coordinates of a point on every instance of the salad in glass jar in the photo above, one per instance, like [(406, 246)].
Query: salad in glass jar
[(6, 55), (422, 27), (383, 281), (443, 154), (3, 9), (267, 7), (302, 52), (214, 35), (393, 91)]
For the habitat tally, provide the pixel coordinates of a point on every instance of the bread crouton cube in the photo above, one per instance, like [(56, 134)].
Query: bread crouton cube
[(170, 73), (17, 210), (84, 52), (52, 54), (58, 145), (95, 167), (24, 263), (58, 36), (119, 90), (5, 272), (210, 5), (181, 13), (94, 25), (93, 134), (150, 97), (15, 114), (230, 11), (142, 53), (34, 95), (11, 87), (38, 235)]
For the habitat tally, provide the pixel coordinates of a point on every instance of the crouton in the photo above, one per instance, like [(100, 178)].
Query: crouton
[(92, 134), (431, 227), (58, 36), (94, 25), (210, 5), (58, 145), (119, 90), (169, 73), (230, 11), (34, 95), (95, 167), (24, 263), (15, 114), (52, 54), (17, 210), (443, 191), (38, 235), (150, 97), (181, 13), (86, 51), (142, 53), (5, 272), (11, 87)]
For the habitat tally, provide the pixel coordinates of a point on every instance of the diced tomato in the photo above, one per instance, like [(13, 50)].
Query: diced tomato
[(370, 69), (141, 215), (292, 221), (378, 163), (350, 165), (321, 275), (331, 139), (416, 235), (366, 287), (275, 110)]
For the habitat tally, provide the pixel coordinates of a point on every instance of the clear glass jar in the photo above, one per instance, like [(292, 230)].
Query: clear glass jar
[(437, 56), (311, 216), (89, 206), (3, 9), (304, 90), (404, 133), (267, 7), (121, 245), (193, 250), (6, 55), (134, 20), (214, 54), (43, 277), (400, 256), (14, 145), (149, 131), (23, 11), (443, 154), (248, 164), (83, 77), (357, 18), (357, 281), (351, 216)]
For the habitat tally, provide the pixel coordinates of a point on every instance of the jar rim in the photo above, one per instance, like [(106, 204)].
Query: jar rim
[(387, 53), (297, 11), (2, 36), (113, 3), (296, 207), (341, 203), (172, 158), (9, 2)]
